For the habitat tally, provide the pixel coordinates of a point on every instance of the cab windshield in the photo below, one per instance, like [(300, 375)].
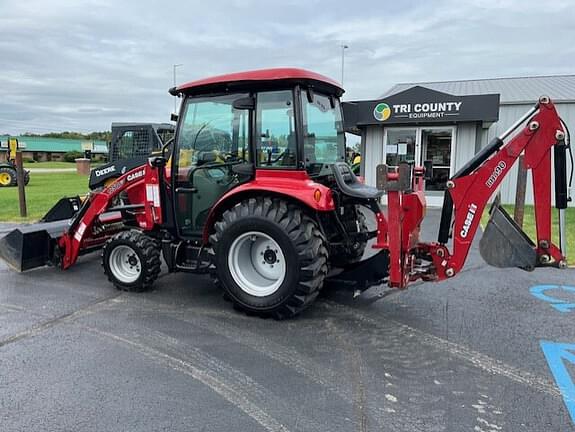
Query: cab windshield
[(324, 138)]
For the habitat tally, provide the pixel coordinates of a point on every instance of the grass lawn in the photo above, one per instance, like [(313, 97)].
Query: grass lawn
[(43, 191), (52, 165), (529, 227)]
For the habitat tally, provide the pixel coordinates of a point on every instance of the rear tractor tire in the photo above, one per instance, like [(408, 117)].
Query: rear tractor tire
[(7, 177), (270, 257), (131, 261)]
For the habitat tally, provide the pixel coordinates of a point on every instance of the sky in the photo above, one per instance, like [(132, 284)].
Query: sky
[(80, 65)]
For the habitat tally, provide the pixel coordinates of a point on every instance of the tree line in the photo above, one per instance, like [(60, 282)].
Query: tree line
[(92, 136)]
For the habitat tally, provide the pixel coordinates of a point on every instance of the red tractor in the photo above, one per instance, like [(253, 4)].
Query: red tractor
[(256, 191)]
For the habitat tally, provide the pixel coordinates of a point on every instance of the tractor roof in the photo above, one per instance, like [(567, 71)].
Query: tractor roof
[(259, 78)]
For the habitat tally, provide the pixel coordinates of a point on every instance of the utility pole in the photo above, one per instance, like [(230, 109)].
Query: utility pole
[(21, 180), (343, 48), (175, 97)]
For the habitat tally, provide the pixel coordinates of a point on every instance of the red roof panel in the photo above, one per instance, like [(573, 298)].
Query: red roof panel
[(261, 75)]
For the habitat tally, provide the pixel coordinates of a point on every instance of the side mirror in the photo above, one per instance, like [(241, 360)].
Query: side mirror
[(157, 161), (174, 117), (246, 103)]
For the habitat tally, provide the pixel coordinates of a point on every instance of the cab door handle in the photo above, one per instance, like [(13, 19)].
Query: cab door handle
[(186, 190)]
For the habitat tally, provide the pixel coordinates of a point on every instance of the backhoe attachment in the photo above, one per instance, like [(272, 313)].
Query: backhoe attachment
[(542, 140)]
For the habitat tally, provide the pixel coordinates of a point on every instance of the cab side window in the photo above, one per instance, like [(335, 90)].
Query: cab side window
[(275, 130), (212, 131)]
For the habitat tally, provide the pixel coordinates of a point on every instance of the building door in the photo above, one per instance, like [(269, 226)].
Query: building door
[(420, 144), (401, 146)]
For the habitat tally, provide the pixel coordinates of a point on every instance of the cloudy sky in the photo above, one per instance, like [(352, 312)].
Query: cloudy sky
[(79, 65)]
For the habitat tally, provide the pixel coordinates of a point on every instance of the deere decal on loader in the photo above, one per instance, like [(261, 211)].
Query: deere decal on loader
[(254, 189)]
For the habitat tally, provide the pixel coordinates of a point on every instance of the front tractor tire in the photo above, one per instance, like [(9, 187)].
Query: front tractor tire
[(131, 261), (270, 257)]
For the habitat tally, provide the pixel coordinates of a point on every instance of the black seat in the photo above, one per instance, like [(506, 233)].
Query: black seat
[(350, 185)]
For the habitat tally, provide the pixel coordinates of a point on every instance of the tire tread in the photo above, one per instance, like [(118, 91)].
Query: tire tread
[(151, 265), (308, 240)]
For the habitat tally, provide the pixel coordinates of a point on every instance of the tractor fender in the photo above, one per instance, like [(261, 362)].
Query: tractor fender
[(291, 185)]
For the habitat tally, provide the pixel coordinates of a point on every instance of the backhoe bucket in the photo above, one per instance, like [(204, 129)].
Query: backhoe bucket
[(504, 244), (31, 246)]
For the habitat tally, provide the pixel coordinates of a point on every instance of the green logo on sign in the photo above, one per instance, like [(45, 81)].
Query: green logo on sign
[(382, 112)]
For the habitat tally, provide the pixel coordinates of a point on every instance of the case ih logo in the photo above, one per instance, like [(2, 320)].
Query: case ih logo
[(468, 220), (497, 171), (382, 112), (136, 175)]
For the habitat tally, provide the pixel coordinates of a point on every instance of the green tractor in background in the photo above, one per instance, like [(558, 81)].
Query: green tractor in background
[(8, 169)]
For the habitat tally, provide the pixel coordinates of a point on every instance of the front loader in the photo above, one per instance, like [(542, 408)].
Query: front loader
[(254, 190)]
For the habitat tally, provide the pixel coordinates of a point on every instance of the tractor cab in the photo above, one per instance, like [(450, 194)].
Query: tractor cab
[(241, 128)]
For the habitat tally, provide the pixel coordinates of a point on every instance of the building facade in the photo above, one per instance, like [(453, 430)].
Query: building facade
[(444, 124), (41, 149)]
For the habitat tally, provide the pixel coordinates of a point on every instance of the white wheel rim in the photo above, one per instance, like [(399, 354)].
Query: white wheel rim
[(125, 264), (257, 263)]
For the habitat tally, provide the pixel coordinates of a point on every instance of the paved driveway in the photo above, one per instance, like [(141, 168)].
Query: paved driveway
[(463, 355)]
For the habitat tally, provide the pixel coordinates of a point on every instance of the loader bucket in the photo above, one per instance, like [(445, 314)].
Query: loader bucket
[(31, 246), (504, 244)]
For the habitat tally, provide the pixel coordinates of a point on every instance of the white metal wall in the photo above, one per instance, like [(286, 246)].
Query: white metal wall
[(464, 144), (373, 155)]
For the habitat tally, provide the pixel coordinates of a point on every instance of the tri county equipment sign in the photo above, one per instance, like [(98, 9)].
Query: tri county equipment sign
[(426, 110), (422, 105)]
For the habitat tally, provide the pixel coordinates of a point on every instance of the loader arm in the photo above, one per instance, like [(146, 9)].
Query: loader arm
[(469, 191), (141, 185)]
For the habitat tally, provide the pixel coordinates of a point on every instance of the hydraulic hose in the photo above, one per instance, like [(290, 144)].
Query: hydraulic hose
[(570, 149)]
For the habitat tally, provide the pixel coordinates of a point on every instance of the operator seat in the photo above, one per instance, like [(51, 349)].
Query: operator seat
[(350, 185)]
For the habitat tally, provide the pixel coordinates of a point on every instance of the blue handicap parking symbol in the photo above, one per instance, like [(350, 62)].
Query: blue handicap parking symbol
[(558, 355), (560, 305)]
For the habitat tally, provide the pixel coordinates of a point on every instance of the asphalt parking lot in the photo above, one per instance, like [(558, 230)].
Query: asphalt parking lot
[(463, 355)]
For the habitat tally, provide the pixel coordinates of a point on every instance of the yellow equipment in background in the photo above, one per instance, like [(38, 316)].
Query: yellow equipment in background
[(8, 171)]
